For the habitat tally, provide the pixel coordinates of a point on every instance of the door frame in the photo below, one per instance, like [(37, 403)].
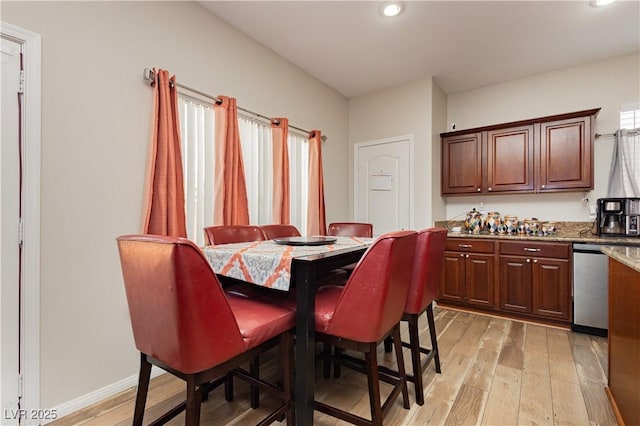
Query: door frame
[(393, 139), (31, 132)]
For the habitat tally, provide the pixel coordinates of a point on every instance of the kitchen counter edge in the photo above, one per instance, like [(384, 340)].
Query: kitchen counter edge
[(629, 256)]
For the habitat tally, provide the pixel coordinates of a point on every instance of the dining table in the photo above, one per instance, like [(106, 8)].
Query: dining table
[(286, 265)]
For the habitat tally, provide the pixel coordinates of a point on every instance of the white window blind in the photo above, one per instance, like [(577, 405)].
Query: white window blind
[(624, 180), (257, 155), (197, 124), (299, 179), (197, 130), (630, 117)]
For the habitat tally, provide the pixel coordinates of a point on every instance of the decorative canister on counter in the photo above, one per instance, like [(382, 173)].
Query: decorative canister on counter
[(511, 224), (531, 226), (549, 228), (473, 222), (492, 222)]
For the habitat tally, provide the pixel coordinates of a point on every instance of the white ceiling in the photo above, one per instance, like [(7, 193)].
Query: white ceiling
[(462, 44)]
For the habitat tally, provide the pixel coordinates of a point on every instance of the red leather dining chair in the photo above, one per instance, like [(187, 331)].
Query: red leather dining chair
[(350, 229), (278, 231), (425, 280), (227, 234), (184, 323), (363, 312)]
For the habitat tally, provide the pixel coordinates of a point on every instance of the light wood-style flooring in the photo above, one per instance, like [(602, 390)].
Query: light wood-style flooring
[(494, 372)]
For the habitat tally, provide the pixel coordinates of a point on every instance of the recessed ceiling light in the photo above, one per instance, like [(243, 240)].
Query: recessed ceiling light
[(391, 8), (599, 3)]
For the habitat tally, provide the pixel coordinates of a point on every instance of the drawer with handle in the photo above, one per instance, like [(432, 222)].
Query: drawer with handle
[(537, 249), (470, 245)]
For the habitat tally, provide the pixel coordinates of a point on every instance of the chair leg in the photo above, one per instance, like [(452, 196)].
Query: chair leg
[(373, 379), (326, 360), (254, 370), (434, 340), (228, 388), (143, 389), (337, 367), (388, 344), (400, 360), (194, 400), (414, 344), (287, 374)]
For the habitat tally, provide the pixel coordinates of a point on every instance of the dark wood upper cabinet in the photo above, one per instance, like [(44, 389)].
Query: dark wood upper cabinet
[(547, 154), (510, 159), (566, 154), (463, 158)]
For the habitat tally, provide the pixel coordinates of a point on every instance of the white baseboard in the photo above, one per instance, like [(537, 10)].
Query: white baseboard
[(98, 395)]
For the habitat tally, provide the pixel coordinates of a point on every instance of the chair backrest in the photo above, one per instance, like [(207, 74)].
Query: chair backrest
[(179, 314), (278, 231), (373, 298), (427, 269), (350, 229), (227, 234)]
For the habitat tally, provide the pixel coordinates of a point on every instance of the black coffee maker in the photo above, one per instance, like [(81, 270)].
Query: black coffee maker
[(611, 216)]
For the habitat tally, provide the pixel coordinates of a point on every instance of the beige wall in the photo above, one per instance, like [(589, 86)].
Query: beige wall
[(401, 110), (95, 127), (608, 85)]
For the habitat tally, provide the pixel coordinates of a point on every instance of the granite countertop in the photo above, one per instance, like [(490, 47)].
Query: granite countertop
[(573, 232), (629, 256)]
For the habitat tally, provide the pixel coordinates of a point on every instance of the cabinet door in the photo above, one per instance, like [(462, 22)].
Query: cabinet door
[(510, 159), (462, 164), (551, 289), (566, 154), (515, 284), (452, 286), (480, 279)]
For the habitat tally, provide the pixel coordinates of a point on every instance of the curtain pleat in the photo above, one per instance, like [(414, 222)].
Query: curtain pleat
[(625, 165), (231, 206), (164, 205), (281, 191), (316, 220)]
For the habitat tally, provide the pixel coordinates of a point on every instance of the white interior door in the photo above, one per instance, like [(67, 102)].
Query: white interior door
[(9, 230), (384, 184)]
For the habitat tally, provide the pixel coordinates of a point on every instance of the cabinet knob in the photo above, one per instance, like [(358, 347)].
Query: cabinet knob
[(543, 186), (478, 189), (528, 260), (535, 260), (461, 254), (467, 256), (489, 189)]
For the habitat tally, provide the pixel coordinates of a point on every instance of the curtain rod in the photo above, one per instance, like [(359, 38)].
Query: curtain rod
[(604, 135), (149, 76)]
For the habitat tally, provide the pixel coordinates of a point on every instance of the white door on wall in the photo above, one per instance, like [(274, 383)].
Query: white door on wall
[(9, 231), (383, 183)]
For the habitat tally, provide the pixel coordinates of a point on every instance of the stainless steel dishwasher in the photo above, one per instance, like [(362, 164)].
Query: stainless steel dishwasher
[(590, 290)]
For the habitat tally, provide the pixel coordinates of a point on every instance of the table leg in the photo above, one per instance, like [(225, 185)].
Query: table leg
[(305, 344)]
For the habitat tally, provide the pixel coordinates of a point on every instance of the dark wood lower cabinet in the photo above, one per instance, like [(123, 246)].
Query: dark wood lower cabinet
[(551, 288), (519, 278), (469, 273), (515, 284)]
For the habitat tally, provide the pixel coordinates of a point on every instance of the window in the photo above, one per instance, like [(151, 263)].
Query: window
[(255, 138), (630, 117), (197, 122), (624, 179)]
